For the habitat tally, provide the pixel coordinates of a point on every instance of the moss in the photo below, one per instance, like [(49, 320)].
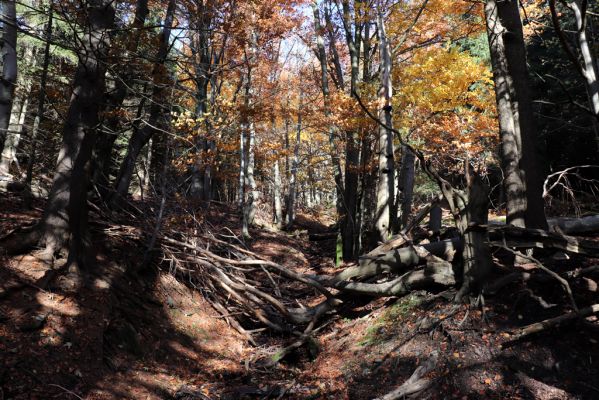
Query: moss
[(384, 327)]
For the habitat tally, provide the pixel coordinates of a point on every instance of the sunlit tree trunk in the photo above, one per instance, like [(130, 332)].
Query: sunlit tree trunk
[(349, 222), (521, 164), (586, 64), (277, 192), (291, 204), (406, 184), (15, 129), (322, 58), (385, 202), (18, 114), (8, 52)]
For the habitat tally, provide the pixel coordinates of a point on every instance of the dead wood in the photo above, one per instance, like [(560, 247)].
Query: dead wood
[(415, 383), (521, 238), (402, 237), (437, 272), (554, 322), (551, 273), (575, 226), (399, 260)]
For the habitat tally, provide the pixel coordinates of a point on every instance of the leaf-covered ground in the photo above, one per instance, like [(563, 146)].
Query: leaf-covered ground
[(116, 333)]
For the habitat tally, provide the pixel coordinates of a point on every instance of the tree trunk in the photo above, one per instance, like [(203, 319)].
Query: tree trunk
[(253, 195), (18, 113), (41, 97), (64, 222), (103, 149), (406, 184), (385, 202), (15, 129), (158, 112), (291, 204), (322, 58), (8, 50), (349, 223), (278, 206), (521, 165)]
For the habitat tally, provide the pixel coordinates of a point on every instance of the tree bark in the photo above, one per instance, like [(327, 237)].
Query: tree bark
[(158, 111), (278, 206), (41, 97), (349, 222), (103, 149), (291, 205), (8, 51), (406, 184), (64, 222), (324, 78), (385, 205), (17, 117), (520, 158)]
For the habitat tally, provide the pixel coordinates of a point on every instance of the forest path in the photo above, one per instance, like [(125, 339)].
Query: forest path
[(117, 334)]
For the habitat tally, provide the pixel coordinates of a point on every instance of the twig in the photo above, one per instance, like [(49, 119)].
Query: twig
[(561, 280), (66, 390)]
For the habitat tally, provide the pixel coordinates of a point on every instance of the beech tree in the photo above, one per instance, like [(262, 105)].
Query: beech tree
[(8, 50), (520, 145)]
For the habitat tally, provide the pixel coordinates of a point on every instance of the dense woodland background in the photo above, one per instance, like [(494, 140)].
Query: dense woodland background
[(303, 175)]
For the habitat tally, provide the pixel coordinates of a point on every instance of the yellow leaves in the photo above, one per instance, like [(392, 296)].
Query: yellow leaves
[(446, 97)]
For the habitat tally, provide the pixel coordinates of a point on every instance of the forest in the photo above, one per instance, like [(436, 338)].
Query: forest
[(299, 199)]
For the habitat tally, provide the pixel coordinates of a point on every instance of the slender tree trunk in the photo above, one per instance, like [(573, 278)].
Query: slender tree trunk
[(64, 222), (253, 195), (15, 129), (18, 113), (385, 203), (41, 97), (103, 149), (242, 168), (8, 52), (406, 184), (278, 206), (349, 223), (521, 164), (322, 58), (158, 111), (586, 65), (291, 206)]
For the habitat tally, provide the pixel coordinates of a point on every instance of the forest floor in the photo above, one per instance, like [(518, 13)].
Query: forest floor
[(119, 333)]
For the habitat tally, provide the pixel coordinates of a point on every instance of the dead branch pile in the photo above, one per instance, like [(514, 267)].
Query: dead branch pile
[(251, 292)]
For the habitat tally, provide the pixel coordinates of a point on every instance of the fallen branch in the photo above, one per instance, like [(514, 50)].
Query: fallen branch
[(415, 383), (553, 274), (553, 322)]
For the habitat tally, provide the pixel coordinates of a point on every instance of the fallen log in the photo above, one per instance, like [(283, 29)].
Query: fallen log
[(575, 226), (553, 322), (522, 238), (438, 272), (399, 260)]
